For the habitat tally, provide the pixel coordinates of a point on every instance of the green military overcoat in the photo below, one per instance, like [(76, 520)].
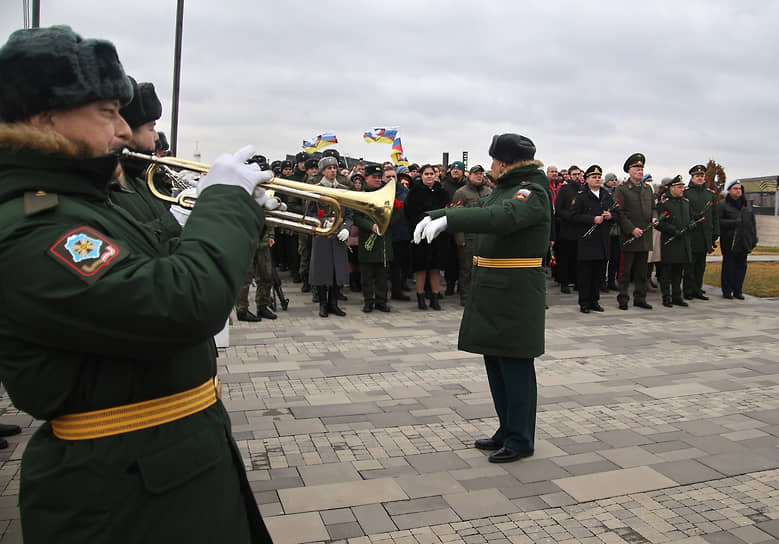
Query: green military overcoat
[(504, 314), (703, 203), (674, 215), (636, 201), (99, 313)]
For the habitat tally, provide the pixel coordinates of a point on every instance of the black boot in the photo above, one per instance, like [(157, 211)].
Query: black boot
[(305, 288), (434, 302), (332, 301), (321, 292), (421, 301)]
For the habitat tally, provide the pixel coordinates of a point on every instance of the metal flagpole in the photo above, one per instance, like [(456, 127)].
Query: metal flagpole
[(36, 13), (174, 122)]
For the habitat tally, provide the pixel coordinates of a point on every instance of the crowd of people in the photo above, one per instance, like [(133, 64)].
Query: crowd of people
[(380, 266), (606, 236), (609, 235)]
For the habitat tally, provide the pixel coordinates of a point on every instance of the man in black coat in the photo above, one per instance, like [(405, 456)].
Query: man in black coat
[(567, 232), (592, 211)]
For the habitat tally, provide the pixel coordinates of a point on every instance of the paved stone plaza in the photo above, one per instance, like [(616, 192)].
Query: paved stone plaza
[(653, 426)]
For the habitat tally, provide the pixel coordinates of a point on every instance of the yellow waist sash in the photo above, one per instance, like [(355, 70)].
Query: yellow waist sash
[(507, 263), (137, 416)]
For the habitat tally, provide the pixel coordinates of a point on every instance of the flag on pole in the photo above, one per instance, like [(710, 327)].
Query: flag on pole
[(381, 135), (398, 157), (323, 140)]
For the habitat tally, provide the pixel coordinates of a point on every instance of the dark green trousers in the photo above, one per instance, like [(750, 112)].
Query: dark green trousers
[(373, 277), (634, 269), (693, 274), (513, 387), (671, 281)]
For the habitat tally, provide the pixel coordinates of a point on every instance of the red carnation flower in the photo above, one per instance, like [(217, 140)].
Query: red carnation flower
[(398, 204), (320, 214)]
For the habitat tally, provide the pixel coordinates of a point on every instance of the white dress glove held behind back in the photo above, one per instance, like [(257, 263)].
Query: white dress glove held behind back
[(343, 235)]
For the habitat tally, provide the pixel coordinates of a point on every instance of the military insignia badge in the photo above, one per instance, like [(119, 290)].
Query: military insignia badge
[(522, 194), (86, 253)]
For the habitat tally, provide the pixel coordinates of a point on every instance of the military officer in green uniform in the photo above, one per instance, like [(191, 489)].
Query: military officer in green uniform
[(703, 207), (675, 227), (107, 332), (374, 251), (636, 202), (131, 192), (504, 315)]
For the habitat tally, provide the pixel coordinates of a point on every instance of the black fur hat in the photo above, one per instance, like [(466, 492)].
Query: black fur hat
[(144, 107), (511, 148), (50, 68)]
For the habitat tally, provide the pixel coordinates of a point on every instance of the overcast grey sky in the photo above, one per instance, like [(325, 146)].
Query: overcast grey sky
[(588, 82)]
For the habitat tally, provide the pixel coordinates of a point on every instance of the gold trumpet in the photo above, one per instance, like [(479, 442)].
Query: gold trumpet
[(377, 204)]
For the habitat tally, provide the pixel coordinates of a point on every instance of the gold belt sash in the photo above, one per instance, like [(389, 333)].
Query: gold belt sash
[(137, 416), (507, 263)]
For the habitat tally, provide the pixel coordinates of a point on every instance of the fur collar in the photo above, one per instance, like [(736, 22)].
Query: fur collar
[(19, 136), (517, 165)]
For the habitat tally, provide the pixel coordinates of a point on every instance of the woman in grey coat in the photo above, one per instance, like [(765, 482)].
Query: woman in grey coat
[(329, 254)]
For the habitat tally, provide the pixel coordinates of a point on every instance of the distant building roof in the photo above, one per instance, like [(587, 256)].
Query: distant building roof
[(762, 184)]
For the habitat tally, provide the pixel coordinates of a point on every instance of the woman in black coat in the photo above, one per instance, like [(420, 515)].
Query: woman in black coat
[(738, 237), (426, 258)]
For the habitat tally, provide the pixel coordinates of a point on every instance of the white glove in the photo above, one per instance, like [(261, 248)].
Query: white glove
[(268, 202), (434, 228), (181, 214), (233, 170), (343, 235), (420, 227)]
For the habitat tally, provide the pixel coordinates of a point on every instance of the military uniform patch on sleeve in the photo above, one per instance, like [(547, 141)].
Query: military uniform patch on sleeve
[(87, 253), (523, 194)]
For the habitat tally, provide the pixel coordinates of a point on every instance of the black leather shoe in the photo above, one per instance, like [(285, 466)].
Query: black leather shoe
[(382, 307), (486, 444), (246, 315), (507, 455), (738, 296), (368, 307), (623, 305), (679, 302), (643, 304), (565, 289), (667, 304), (9, 430), (596, 308), (728, 296), (700, 296), (296, 277), (688, 297), (266, 313), (584, 310), (3, 443), (305, 288)]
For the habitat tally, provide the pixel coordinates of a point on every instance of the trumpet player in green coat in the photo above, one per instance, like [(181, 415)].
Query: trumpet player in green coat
[(107, 330), (504, 314)]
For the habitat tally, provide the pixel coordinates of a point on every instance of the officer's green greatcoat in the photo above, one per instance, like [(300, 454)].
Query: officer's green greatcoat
[(382, 247), (98, 313), (674, 215), (636, 201), (703, 203), (504, 315)]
